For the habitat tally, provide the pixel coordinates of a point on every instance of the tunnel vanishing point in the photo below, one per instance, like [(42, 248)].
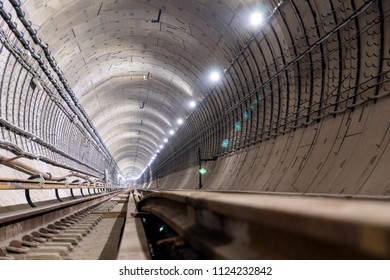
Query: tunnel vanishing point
[(271, 97)]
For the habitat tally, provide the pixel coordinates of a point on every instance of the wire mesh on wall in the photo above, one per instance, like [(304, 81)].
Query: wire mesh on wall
[(40, 118), (299, 68)]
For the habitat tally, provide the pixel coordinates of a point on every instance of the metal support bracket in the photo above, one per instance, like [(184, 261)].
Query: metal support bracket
[(58, 196), (71, 193), (28, 198)]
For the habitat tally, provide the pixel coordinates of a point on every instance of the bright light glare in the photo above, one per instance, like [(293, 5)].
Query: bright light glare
[(165, 140), (161, 146), (215, 76), (192, 104), (237, 126), (171, 132), (256, 19), (225, 143), (158, 151), (180, 121)]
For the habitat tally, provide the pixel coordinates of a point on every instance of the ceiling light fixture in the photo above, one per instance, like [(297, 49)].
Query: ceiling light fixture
[(215, 76), (192, 104), (256, 19)]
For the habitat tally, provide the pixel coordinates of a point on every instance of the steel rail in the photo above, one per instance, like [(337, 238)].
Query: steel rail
[(25, 214), (14, 225), (258, 226)]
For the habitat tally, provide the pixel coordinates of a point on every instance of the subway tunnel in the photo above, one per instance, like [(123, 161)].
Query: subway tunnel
[(272, 108)]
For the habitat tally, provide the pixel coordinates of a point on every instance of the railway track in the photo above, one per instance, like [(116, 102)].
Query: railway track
[(200, 225), (55, 231)]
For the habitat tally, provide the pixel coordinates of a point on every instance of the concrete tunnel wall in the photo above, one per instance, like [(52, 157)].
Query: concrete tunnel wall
[(309, 90), (342, 153), (345, 154)]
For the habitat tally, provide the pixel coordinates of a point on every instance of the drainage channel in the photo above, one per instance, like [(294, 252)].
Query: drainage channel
[(91, 233)]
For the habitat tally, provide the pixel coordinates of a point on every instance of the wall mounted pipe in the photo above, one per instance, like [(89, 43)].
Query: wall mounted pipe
[(12, 163), (16, 184)]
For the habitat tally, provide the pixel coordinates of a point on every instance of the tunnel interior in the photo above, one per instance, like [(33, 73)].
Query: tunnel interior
[(267, 96)]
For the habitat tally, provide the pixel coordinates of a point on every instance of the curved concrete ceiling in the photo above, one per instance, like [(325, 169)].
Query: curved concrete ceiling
[(136, 71)]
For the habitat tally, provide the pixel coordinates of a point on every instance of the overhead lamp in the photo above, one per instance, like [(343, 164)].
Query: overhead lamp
[(171, 132), (180, 121), (192, 104), (256, 18), (165, 140), (158, 151), (161, 146), (215, 76)]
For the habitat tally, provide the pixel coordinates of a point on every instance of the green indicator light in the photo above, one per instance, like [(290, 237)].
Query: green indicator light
[(161, 228), (202, 171)]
